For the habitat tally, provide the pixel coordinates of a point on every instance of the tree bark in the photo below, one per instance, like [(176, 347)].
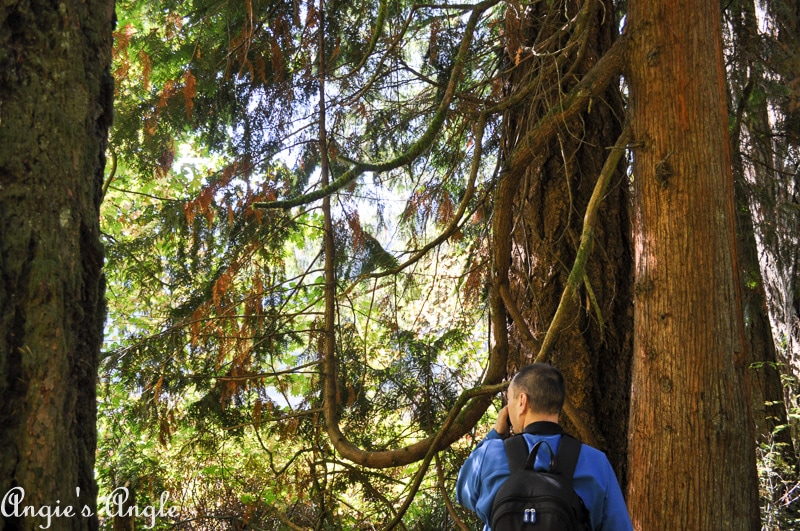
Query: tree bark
[(691, 461), (55, 110), (762, 370), (770, 125), (594, 348)]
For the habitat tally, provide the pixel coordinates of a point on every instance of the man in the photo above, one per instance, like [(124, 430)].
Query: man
[(535, 398)]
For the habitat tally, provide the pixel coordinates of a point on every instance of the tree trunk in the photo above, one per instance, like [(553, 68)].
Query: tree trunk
[(771, 127), (691, 449), (594, 348), (762, 371), (55, 109)]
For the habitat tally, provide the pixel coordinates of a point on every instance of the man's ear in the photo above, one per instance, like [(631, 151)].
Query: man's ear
[(523, 403)]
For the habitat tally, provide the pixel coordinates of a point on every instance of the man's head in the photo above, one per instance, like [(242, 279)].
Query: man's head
[(536, 393)]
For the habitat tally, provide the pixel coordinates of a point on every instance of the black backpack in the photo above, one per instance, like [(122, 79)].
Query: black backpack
[(540, 500)]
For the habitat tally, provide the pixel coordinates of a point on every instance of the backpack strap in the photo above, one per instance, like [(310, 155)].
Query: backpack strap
[(519, 456), (516, 452), (569, 449), (563, 463)]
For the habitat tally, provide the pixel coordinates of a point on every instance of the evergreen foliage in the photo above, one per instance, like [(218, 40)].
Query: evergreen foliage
[(211, 376), (213, 372)]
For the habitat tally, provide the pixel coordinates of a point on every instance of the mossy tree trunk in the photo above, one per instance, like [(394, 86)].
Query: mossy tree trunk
[(55, 109), (691, 445), (594, 347)]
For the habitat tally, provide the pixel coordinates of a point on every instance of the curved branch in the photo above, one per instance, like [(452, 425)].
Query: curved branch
[(590, 86), (348, 100), (419, 146), (448, 503), (473, 402), (579, 37), (111, 174), (381, 20), (434, 447), (455, 425), (576, 275), (458, 422), (454, 224)]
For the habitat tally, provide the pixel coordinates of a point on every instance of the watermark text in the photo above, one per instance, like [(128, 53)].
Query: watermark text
[(14, 505)]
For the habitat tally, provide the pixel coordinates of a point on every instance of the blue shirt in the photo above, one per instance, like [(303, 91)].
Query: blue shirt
[(594, 481)]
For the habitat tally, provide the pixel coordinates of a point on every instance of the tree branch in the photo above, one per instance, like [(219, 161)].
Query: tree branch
[(590, 86), (418, 147), (433, 449), (454, 224), (451, 510), (376, 33), (587, 239)]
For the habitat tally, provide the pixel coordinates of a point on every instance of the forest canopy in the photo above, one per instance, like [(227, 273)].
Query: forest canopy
[(334, 229)]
